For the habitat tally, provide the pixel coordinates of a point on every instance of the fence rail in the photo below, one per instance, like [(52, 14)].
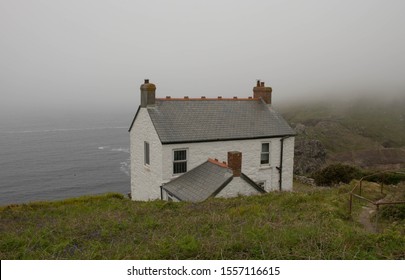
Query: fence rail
[(359, 187)]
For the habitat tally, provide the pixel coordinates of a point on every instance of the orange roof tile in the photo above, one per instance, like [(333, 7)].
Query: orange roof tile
[(219, 163), (205, 98)]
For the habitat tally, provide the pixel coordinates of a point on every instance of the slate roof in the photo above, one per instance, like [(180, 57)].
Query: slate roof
[(202, 182), (203, 120)]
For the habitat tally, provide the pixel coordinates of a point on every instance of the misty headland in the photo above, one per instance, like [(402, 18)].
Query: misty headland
[(70, 73)]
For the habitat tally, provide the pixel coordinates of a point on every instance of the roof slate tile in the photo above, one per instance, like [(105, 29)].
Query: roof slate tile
[(194, 120), (199, 183)]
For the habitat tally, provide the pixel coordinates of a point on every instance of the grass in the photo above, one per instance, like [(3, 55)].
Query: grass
[(309, 223), (392, 217)]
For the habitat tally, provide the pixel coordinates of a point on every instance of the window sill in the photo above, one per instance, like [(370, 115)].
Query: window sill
[(177, 175), (147, 167), (263, 167)]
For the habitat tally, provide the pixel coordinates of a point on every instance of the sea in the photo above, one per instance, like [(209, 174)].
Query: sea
[(49, 159)]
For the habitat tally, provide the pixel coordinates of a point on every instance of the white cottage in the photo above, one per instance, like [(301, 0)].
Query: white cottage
[(190, 149)]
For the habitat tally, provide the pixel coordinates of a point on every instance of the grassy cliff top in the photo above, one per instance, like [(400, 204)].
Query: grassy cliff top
[(309, 223)]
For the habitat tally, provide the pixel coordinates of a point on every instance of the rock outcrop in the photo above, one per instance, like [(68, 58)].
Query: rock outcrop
[(309, 155)]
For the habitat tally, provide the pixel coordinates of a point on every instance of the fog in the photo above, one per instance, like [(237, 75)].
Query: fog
[(69, 57)]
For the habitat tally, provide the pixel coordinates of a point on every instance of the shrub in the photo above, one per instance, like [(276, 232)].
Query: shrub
[(386, 178), (336, 173)]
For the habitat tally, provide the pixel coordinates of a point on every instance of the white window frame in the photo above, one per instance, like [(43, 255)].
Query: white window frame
[(265, 153), (178, 161), (146, 153)]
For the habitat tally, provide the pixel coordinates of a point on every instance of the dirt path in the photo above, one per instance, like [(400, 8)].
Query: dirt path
[(364, 219)]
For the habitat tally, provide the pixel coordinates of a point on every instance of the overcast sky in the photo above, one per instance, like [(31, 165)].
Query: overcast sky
[(76, 55)]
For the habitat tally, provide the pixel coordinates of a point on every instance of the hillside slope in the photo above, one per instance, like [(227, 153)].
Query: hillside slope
[(367, 133), (310, 223)]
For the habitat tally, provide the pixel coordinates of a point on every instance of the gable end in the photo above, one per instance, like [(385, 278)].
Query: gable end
[(133, 121), (253, 184)]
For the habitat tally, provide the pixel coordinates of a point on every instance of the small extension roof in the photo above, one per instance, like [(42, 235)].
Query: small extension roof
[(204, 181)]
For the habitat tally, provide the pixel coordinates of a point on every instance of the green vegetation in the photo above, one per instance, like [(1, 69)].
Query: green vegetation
[(335, 174), (309, 223), (340, 173), (392, 217), (386, 218), (386, 178)]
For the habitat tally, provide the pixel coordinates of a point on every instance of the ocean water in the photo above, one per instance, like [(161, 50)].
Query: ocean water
[(58, 159)]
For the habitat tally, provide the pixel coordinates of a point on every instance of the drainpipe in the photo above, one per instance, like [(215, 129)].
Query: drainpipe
[(161, 192), (280, 168)]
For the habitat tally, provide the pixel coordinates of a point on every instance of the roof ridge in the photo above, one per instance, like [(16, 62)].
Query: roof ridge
[(168, 98)]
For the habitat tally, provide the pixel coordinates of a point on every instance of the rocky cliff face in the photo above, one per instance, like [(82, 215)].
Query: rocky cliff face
[(364, 132), (309, 155)]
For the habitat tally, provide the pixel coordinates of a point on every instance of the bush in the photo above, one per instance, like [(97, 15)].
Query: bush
[(386, 178), (336, 173)]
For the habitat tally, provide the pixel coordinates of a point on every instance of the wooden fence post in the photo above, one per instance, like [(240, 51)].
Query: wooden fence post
[(361, 181)]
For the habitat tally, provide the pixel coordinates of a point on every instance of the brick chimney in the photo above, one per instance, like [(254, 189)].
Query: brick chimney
[(261, 91), (147, 94), (235, 162)]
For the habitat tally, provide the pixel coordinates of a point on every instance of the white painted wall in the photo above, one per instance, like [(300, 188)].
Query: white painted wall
[(288, 164), (237, 187), (200, 152), (145, 180)]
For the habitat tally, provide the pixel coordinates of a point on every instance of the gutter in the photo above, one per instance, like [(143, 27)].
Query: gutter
[(280, 168), (224, 139)]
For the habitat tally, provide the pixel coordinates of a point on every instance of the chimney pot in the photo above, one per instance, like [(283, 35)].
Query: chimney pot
[(146, 81), (261, 84), (219, 97), (202, 97), (168, 97), (185, 97), (258, 83)]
